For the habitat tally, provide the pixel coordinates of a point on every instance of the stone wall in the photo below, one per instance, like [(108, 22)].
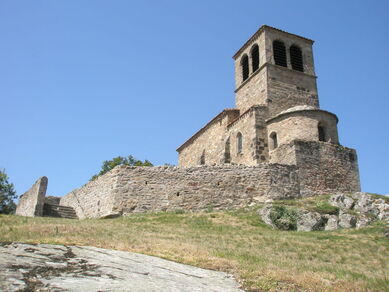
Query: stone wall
[(246, 126), (31, 202), (95, 199), (209, 141), (289, 39), (288, 88), (257, 40), (253, 90), (142, 189), (325, 168), (127, 189)]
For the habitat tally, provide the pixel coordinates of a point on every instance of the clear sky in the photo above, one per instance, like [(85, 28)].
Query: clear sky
[(85, 81)]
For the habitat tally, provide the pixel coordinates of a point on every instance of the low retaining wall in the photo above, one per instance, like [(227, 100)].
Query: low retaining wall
[(143, 189)]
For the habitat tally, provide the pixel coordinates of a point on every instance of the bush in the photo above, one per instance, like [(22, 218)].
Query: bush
[(284, 218), (111, 164)]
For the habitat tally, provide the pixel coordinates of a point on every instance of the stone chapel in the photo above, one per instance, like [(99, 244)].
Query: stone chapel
[(277, 118)]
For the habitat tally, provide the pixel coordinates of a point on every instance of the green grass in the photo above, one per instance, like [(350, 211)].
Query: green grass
[(237, 242)]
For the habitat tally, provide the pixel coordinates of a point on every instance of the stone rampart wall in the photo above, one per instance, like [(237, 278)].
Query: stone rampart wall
[(127, 189), (31, 202), (325, 168), (95, 199), (143, 189)]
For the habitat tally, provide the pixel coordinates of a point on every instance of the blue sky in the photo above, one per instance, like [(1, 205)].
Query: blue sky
[(85, 81)]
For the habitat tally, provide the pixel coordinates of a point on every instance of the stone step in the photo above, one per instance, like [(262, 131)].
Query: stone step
[(53, 210)]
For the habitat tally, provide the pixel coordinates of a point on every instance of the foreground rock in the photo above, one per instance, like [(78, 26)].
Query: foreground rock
[(43, 267), (355, 210)]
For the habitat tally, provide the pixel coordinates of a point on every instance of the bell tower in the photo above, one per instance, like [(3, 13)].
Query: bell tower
[(275, 69)]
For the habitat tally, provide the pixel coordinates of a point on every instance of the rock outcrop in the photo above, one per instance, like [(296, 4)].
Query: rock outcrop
[(44, 267), (354, 210)]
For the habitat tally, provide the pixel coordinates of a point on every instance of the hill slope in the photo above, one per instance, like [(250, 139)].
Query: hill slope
[(237, 242)]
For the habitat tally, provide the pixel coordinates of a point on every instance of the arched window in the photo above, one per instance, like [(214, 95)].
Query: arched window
[(279, 53), (255, 57), (227, 153), (296, 58), (273, 140), (202, 158), (244, 63), (322, 133), (239, 142)]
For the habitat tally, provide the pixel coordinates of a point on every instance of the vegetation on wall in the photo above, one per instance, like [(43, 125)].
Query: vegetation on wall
[(119, 160), (7, 194)]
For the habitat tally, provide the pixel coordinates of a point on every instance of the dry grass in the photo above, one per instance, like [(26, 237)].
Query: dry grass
[(237, 242)]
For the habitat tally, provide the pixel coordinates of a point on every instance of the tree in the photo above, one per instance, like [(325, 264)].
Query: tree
[(129, 160), (7, 195)]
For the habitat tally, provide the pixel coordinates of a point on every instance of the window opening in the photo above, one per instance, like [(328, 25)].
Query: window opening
[(279, 53), (227, 152), (255, 57), (239, 138), (322, 133), (245, 67), (274, 142), (296, 58), (202, 158)]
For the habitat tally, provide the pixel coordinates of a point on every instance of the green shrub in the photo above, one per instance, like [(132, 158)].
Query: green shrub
[(284, 218)]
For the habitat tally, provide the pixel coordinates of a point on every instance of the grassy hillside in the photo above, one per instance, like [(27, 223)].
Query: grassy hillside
[(237, 242)]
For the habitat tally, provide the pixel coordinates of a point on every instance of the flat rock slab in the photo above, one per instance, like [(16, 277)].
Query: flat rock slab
[(44, 267)]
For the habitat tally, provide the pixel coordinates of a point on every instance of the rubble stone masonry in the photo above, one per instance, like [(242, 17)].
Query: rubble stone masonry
[(127, 189)]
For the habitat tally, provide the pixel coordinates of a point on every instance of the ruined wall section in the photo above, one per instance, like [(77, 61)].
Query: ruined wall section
[(96, 198), (31, 202), (145, 189), (325, 167)]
